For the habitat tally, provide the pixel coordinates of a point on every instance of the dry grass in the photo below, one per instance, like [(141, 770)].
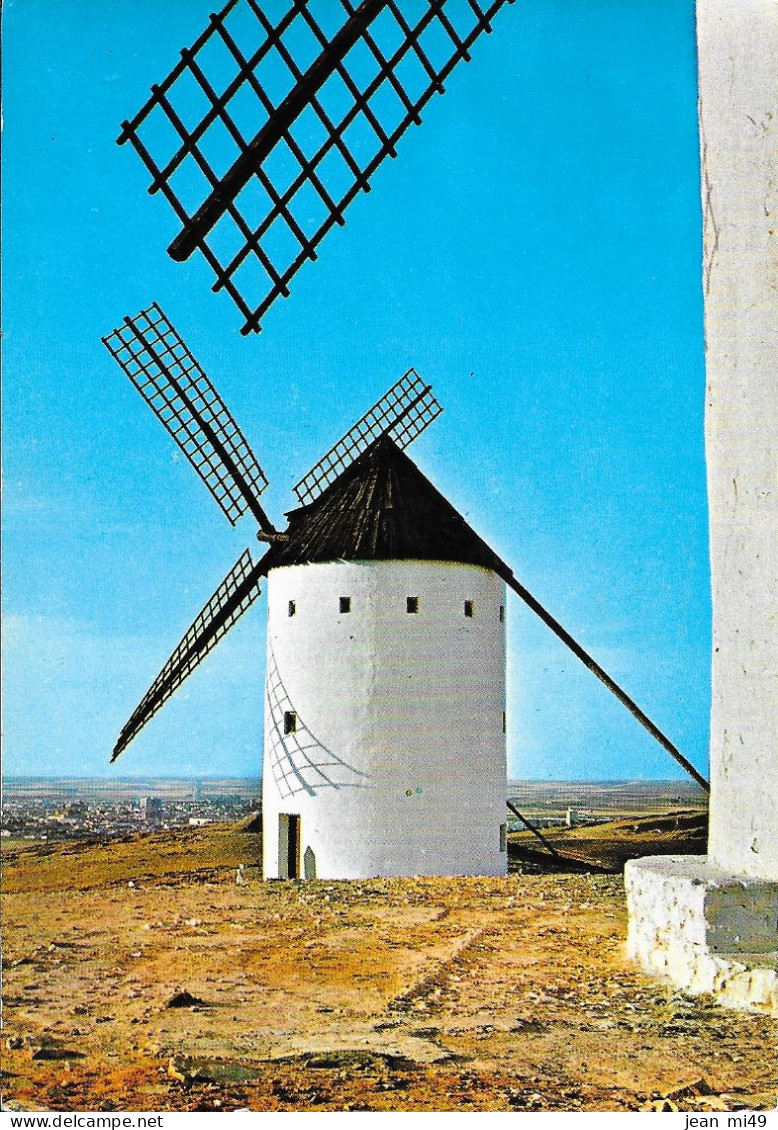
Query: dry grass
[(608, 846), (213, 849)]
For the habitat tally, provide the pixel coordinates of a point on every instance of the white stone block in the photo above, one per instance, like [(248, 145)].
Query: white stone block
[(706, 930)]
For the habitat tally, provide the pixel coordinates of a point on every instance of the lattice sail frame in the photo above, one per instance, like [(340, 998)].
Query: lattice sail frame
[(155, 358), (294, 118), (402, 413), (237, 592)]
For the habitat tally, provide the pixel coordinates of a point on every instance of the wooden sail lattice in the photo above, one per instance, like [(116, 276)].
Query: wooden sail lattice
[(154, 357), (266, 130), (237, 592), (402, 413)]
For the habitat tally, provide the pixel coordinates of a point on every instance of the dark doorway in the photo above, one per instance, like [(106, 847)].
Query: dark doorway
[(289, 846), (294, 848)]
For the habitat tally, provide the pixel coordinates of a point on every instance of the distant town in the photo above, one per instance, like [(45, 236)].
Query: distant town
[(56, 809), (51, 809)]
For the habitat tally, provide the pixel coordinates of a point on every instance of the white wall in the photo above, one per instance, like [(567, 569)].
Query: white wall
[(398, 764), (738, 79)]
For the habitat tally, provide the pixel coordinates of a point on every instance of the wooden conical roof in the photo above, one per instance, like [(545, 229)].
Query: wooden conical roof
[(380, 508)]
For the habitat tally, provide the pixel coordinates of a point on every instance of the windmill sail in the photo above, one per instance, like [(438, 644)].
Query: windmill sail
[(268, 127), (237, 592), (155, 358), (402, 413)]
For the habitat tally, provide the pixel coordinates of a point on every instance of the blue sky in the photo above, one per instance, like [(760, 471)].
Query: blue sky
[(534, 252)]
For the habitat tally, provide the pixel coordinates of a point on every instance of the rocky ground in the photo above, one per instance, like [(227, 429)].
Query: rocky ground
[(141, 976)]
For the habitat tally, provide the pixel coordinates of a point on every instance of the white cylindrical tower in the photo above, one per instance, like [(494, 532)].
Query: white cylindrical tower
[(384, 720), (385, 698)]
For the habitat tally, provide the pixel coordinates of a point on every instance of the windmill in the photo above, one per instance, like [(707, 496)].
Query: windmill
[(384, 750)]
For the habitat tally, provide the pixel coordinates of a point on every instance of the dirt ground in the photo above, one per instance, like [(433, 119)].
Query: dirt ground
[(412, 994)]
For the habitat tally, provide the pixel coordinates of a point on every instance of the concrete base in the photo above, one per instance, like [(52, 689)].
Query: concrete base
[(704, 929)]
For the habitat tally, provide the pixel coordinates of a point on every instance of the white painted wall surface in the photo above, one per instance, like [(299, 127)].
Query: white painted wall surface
[(398, 764), (738, 81)]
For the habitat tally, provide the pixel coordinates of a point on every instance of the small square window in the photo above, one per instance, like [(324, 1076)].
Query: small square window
[(290, 721), (502, 613), (411, 604), (469, 609), (292, 608), (504, 722), (503, 837), (345, 604)]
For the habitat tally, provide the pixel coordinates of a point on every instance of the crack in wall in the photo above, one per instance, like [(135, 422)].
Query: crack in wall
[(710, 224)]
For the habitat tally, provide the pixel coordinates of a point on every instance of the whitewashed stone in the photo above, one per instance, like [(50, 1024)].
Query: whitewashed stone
[(711, 924), (738, 65), (705, 930), (398, 765)]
